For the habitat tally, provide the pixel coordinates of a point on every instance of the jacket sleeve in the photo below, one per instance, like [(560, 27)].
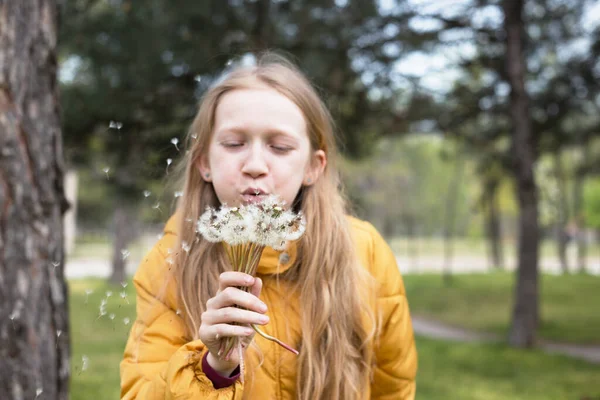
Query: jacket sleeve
[(158, 362), (396, 354)]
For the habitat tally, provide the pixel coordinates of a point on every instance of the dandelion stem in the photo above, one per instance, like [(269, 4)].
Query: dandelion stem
[(274, 339)]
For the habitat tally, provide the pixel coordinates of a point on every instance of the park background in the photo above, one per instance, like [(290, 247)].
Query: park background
[(431, 154)]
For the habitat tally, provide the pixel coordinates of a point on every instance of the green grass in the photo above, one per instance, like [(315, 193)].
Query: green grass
[(101, 339), (496, 372), (568, 304), (446, 370)]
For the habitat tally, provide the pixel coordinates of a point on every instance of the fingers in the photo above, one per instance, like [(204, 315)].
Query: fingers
[(233, 296), (231, 278), (257, 287), (230, 315), (225, 330)]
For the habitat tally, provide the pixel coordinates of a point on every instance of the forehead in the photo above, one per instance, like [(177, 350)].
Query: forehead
[(259, 110)]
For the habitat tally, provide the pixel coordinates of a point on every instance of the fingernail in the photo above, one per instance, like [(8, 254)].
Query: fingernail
[(249, 280), (262, 307), (264, 319)]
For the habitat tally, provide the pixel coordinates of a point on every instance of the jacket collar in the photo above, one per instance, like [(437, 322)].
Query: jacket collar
[(271, 262)]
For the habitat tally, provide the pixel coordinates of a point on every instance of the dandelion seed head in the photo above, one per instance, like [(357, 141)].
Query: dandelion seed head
[(85, 361)]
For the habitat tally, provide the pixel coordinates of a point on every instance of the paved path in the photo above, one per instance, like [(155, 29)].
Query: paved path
[(80, 268), (438, 330)]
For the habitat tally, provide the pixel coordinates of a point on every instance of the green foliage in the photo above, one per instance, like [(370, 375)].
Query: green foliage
[(484, 302), (592, 203), (405, 183)]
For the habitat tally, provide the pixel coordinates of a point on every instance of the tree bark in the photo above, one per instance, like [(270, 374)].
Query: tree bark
[(34, 324), (525, 313), (492, 224)]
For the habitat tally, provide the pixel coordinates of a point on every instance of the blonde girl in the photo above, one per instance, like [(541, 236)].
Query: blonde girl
[(335, 294)]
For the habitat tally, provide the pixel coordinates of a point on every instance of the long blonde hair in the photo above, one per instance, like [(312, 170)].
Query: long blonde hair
[(336, 292)]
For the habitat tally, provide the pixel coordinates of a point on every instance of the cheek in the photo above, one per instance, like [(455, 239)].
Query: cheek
[(288, 179)]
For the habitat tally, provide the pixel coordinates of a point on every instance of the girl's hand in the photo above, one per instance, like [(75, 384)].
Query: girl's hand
[(221, 313)]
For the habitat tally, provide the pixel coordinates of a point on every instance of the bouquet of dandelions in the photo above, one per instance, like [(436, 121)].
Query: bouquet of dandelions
[(245, 232)]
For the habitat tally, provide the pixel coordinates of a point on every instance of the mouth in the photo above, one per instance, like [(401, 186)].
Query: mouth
[(253, 195)]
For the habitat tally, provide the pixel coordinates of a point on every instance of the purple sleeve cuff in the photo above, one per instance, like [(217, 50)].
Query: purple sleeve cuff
[(218, 380)]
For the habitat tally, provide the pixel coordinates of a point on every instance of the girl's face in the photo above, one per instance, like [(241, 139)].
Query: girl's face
[(259, 146)]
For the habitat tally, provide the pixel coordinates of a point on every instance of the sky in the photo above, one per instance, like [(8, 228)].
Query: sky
[(433, 69)]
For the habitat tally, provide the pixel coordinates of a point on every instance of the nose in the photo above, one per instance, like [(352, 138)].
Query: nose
[(255, 164)]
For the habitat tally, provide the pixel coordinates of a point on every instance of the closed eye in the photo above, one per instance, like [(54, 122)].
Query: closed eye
[(281, 149), (232, 144)]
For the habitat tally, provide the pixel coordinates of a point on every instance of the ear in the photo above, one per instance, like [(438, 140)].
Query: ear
[(316, 167), (202, 164)]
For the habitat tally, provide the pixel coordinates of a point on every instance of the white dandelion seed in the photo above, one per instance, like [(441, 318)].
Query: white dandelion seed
[(106, 170), (85, 362), (126, 321), (175, 141), (147, 193), (115, 125)]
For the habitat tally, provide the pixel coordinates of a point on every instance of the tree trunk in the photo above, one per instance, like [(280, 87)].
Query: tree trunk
[(124, 235), (562, 235), (34, 323), (260, 31), (492, 224), (412, 242), (450, 217), (525, 313)]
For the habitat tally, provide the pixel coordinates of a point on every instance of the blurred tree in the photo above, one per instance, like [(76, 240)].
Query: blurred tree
[(137, 70), (34, 320), (526, 308)]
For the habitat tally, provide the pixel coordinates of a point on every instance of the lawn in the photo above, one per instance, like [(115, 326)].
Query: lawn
[(568, 304), (446, 370)]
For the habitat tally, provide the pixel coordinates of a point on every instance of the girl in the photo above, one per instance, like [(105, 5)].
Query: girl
[(335, 294)]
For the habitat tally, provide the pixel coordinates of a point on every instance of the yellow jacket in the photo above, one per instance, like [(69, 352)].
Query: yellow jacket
[(161, 363)]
